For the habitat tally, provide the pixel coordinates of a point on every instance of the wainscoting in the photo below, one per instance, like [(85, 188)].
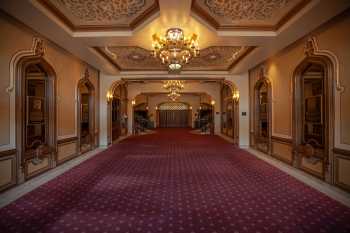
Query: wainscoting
[(7, 169), (67, 149), (342, 168), (282, 149)]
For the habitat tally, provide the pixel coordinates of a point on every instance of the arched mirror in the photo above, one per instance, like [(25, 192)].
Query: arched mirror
[(263, 115), (36, 125), (229, 113), (312, 115), (86, 116), (118, 107)]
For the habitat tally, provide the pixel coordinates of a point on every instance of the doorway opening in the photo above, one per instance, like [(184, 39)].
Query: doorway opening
[(174, 115), (86, 116), (311, 109), (36, 123)]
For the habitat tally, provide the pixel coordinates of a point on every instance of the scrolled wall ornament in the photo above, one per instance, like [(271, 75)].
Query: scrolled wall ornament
[(37, 50), (86, 74), (311, 49)]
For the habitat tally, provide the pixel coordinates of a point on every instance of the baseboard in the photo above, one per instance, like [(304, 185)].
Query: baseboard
[(323, 187)]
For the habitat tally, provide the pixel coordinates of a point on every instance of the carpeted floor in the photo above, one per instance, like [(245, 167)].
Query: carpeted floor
[(174, 182)]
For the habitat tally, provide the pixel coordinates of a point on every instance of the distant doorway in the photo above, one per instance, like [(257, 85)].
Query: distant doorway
[(86, 117), (174, 115), (117, 107)]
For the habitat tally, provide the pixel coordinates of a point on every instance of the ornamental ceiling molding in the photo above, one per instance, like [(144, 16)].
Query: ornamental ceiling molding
[(247, 15), (103, 15), (214, 58)]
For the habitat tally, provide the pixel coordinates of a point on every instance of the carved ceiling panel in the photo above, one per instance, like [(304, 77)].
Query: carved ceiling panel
[(132, 58), (101, 14), (248, 14)]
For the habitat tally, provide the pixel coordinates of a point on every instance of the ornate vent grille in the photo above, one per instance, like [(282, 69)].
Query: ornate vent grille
[(173, 106)]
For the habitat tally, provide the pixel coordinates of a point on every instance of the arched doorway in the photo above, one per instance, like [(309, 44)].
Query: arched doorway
[(118, 110), (230, 112), (312, 113), (205, 118), (86, 115), (35, 116), (174, 115), (263, 128)]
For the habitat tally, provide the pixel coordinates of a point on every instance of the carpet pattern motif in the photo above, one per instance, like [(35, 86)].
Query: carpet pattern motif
[(174, 182)]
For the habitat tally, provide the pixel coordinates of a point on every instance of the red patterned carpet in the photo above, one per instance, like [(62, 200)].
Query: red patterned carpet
[(174, 182)]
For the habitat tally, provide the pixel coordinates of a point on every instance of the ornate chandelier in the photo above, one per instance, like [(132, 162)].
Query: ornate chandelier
[(175, 49), (173, 86), (173, 95)]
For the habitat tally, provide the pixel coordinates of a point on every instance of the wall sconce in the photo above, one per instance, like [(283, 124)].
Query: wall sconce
[(235, 96), (212, 102), (146, 107), (156, 107), (191, 107), (133, 102), (109, 96)]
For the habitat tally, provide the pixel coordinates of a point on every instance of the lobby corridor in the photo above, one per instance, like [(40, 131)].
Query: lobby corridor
[(174, 181)]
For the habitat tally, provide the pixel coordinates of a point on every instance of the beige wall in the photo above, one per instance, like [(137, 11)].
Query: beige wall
[(68, 68), (17, 38), (334, 37), (332, 40)]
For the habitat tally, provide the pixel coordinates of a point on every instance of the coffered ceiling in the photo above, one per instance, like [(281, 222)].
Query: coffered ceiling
[(247, 15), (115, 35), (101, 15)]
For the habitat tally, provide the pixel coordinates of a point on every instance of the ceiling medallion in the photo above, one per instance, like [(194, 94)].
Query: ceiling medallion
[(175, 49), (173, 86)]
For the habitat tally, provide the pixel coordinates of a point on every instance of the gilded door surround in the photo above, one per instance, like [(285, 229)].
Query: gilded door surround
[(235, 105), (85, 81), (36, 58), (114, 86), (330, 78), (263, 79), (37, 50)]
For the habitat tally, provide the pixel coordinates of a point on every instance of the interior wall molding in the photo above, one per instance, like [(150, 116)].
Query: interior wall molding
[(67, 140), (64, 137), (37, 50), (312, 49)]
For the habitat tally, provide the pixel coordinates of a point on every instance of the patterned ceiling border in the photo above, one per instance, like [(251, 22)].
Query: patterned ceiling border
[(154, 8), (102, 52), (203, 14)]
